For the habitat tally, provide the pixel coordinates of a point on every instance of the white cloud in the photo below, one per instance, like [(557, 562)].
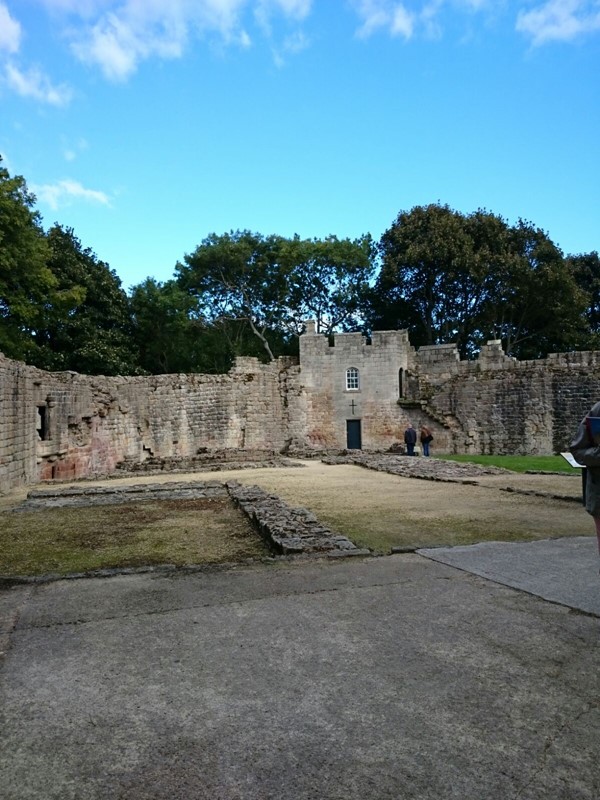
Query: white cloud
[(36, 85), (418, 17), (291, 46), (378, 14), (560, 20), (10, 31), (71, 150), (63, 193), (118, 35), (403, 22), (295, 9)]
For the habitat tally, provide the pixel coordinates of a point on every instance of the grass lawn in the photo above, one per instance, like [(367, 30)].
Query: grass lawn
[(516, 463), (64, 540), (380, 511)]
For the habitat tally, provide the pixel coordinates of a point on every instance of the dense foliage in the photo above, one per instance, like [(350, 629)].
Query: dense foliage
[(448, 277), (443, 275)]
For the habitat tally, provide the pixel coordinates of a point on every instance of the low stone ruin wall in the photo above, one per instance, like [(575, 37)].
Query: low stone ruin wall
[(288, 531), (208, 461)]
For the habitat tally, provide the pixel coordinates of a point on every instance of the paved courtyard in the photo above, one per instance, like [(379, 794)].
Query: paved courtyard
[(394, 677)]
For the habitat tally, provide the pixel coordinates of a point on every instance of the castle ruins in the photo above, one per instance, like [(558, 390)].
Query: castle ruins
[(350, 392)]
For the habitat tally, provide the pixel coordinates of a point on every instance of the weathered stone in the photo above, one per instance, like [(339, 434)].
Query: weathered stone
[(65, 426)]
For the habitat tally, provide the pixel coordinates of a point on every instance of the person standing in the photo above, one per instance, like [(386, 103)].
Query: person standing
[(426, 439), (410, 439), (585, 449)]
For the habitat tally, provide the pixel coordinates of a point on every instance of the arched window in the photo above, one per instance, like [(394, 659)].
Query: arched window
[(352, 380)]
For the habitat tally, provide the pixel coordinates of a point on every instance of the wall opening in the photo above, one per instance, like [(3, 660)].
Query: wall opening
[(353, 434), (43, 427), (401, 383)]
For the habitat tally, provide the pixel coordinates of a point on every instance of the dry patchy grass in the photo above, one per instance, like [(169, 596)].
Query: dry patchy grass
[(180, 532), (380, 511), (374, 509)]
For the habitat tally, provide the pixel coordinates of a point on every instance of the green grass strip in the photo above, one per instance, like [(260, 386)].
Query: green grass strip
[(515, 463)]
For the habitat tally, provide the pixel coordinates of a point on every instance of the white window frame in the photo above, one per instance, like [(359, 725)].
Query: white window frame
[(352, 379)]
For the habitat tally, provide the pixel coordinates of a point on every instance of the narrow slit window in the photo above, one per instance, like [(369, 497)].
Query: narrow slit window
[(352, 379), (42, 426)]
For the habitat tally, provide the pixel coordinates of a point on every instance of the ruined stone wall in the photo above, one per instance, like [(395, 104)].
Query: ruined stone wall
[(65, 425), (503, 406), (494, 404), (18, 423)]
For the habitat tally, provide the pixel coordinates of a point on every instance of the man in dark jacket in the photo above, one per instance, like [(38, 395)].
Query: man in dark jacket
[(585, 448), (410, 439)]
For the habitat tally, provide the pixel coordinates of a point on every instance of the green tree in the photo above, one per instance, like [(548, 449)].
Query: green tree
[(435, 274), (450, 277), (172, 336), (26, 283), (328, 280), (585, 269), (88, 328), (238, 277), (537, 307)]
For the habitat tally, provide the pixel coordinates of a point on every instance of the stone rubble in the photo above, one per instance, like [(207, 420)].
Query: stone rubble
[(431, 469), (290, 530), (210, 461)]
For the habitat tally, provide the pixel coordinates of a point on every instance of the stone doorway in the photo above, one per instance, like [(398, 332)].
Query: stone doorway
[(353, 434)]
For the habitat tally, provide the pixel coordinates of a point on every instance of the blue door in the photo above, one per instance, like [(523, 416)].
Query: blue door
[(353, 437)]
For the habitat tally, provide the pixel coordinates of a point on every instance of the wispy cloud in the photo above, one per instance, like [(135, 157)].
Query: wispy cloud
[(65, 192), (376, 15), (549, 20), (71, 150), (118, 35), (36, 85), (559, 20), (291, 46), (407, 19), (32, 82), (10, 31)]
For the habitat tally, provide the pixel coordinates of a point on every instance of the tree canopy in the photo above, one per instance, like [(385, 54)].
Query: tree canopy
[(88, 328), (444, 275), (273, 284), (450, 277), (26, 282)]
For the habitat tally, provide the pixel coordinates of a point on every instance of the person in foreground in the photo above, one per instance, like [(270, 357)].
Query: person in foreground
[(585, 449)]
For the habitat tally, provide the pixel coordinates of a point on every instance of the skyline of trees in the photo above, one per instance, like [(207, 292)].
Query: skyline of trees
[(443, 275)]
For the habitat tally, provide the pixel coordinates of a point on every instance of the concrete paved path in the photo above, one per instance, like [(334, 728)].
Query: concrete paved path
[(398, 677), (561, 570)]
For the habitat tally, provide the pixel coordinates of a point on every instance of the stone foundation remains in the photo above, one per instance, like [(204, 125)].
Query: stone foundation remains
[(350, 392)]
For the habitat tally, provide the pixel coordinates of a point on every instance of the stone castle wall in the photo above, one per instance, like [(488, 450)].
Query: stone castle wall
[(65, 425), (499, 405)]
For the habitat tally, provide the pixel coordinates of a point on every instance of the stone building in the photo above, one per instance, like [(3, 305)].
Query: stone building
[(346, 393)]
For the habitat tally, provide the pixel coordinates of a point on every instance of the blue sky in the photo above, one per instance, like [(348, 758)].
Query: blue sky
[(145, 125)]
